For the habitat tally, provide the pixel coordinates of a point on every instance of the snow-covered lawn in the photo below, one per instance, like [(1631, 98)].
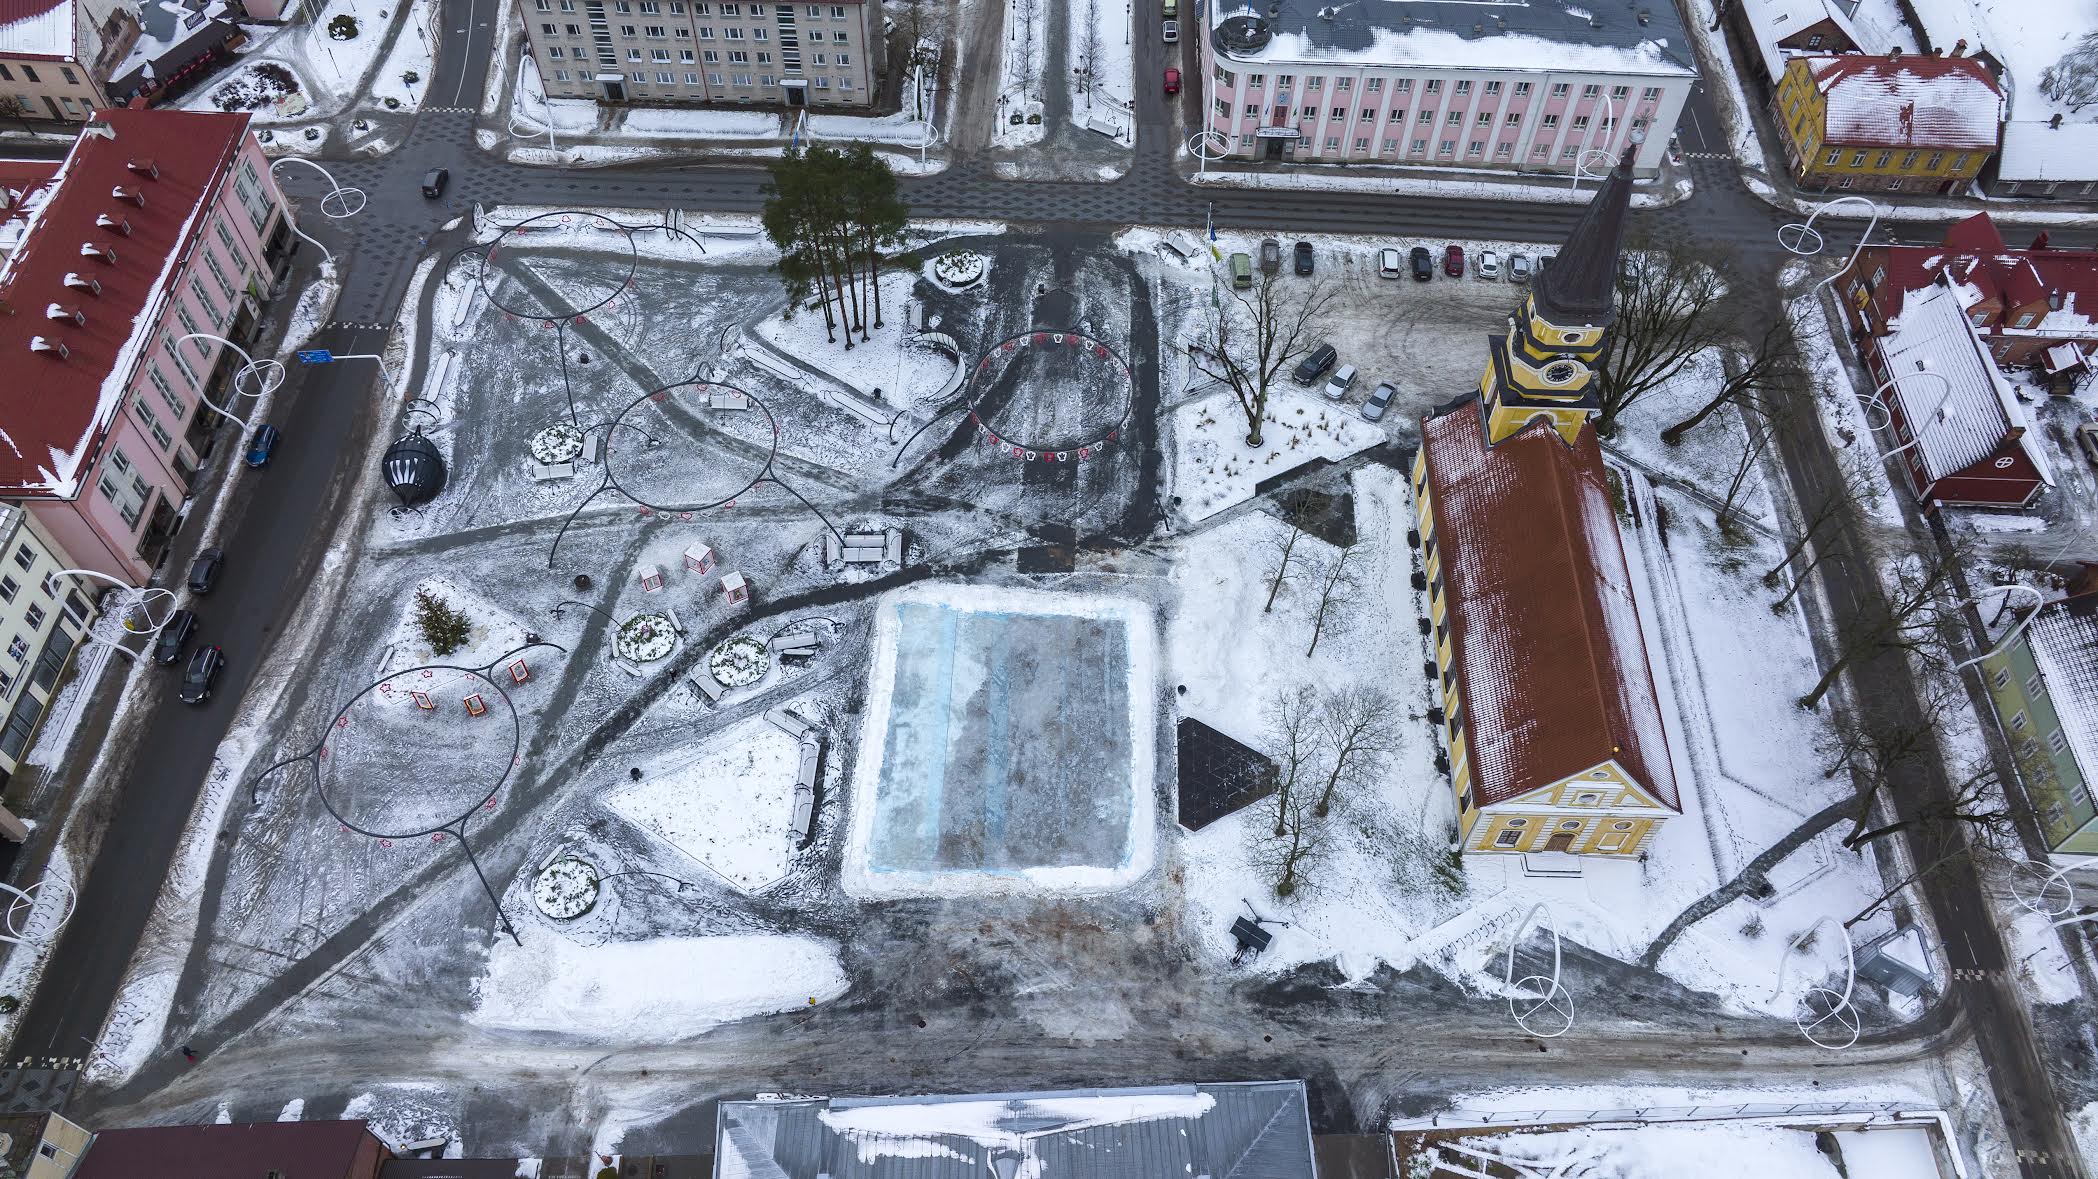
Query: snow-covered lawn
[(704, 124), (729, 806), (1097, 34), (653, 991), (1843, 414), (1213, 468), (496, 631), (1023, 60), (888, 361), (1461, 183), (1713, 1148), (411, 53)]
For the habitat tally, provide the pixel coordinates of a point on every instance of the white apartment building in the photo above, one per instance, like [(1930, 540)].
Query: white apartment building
[(41, 619), (1546, 86), (670, 52)]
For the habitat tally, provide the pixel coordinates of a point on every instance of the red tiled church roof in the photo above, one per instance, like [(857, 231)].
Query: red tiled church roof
[(1545, 638), (54, 410)]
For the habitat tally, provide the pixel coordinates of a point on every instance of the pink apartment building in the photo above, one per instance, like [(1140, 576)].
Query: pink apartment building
[(1537, 87), (161, 224)]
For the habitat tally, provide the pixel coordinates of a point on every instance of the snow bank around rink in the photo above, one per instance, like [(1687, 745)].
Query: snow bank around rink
[(652, 990)]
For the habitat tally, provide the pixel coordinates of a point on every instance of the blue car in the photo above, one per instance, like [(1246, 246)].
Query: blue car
[(262, 446)]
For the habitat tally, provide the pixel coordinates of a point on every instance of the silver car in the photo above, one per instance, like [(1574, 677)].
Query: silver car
[(1518, 268), (1380, 401)]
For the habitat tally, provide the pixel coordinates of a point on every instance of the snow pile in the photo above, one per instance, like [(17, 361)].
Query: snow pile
[(1213, 468), (651, 991), (730, 807), (408, 1112)]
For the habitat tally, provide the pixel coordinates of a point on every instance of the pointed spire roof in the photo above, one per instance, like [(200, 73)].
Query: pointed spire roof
[(1581, 286)]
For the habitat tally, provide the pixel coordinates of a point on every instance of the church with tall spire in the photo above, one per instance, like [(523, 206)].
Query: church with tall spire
[(1555, 735), (1545, 364)]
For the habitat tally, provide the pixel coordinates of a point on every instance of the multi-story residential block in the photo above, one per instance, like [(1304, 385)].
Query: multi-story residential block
[(162, 236), (56, 55), (1547, 700), (1776, 30), (40, 1146), (42, 618), (1543, 87), (666, 52), (1888, 123), (2033, 307), (2044, 684)]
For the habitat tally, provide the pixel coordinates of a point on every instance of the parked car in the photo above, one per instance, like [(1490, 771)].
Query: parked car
[(1302, 250), (1488, 266), (1387, 263), (1270, 256), (434, 181), (1172, 78), (204, 668), (1518, 268), (1242, 271), (168, 646), (204, 571), (1423, 264), (1453, 261), (1315, 364), (1169, 9), (1342, 380), (1170, 30), (1380, 401), (263, 445)]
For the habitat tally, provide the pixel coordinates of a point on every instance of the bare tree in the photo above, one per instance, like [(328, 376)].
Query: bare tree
[(1904, 617), (1253, 334), (1296, 740), (1358, 728), (1668, 311), (1026, 13), (1873, 753), (14, 108), (1755, 439), (1089, 50), (1339, 577), (1285, 858), (2073, 78), (1282, 558), (1770, 372)]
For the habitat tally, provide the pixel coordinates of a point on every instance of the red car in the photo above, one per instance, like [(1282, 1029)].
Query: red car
[(1172, 80), (1453, 261)]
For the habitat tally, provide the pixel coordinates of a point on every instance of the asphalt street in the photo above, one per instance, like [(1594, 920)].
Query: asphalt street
[(277, 535)]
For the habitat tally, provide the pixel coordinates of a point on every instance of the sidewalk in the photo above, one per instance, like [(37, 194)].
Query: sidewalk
[(1672, 186)]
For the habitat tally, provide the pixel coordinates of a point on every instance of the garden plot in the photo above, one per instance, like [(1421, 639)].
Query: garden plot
[(729, 807), (1214, 469), (1006, 746), (1022, 63)]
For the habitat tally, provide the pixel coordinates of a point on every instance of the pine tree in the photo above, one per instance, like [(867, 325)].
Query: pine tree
[(444, 628)]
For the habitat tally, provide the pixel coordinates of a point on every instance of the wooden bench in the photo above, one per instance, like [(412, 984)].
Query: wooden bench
[(708, 689)]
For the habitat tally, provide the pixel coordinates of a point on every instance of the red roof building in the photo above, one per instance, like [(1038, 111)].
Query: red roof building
[(1555, 726), (2035, 306), (161, 225), (288, 1150)]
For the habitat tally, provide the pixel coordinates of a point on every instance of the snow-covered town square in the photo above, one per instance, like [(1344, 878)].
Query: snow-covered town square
[(943, 588)]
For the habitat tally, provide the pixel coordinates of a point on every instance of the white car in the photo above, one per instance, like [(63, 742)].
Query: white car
[(1389, 264), (1488, 266), (1342, 380)]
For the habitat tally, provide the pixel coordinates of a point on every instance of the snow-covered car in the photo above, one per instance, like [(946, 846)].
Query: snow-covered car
[(1488, 266), (1389, 264)]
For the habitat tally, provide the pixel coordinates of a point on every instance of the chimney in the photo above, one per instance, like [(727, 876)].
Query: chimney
[(2055, 300), (61, 311), (1894, 54), (1959, 47), (91, 250), (132, 195), (146, 168), (79, 283), (2039, 241), (48, 347), (121, 224)]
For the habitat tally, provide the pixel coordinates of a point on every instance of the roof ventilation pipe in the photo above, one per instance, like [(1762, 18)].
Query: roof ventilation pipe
[(81, 283), (91, 250), (61, 311), (49, 347), (121, 224)]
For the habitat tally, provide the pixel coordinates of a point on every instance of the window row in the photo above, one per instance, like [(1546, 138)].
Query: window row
[(666, 78), (1462, 86)]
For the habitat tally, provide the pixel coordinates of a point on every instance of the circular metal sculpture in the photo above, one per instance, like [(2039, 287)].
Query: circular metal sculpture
[(1540, 1004), (547, 309), (1243, 33), (1825, 1016), (414, 469), (1006, 396)]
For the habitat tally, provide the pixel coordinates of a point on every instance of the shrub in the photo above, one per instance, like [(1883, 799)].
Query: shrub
[(343, 27), (444, 628)]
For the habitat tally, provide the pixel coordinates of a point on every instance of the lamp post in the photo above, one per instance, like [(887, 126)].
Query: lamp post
[(2016, 629), (144, 601), (1200, 143), (347, 202), (1801, 238), (1877, 400), (272, 375), (1840, 1011)]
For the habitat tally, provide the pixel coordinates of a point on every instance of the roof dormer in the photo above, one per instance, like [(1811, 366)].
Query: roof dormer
[(81, 282), (91, 250), (118, 225), (146, 168), (130, 195), (61, 311), (49, 347)]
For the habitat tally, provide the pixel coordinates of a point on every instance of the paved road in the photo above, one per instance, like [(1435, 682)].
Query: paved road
[(276, 537)]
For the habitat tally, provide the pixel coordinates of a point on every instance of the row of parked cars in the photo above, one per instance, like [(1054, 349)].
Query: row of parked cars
[(1321, 362), (206, 662), (1487, 264)]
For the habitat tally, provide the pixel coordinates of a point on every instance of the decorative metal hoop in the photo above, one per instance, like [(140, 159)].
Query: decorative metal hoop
[(21, 929), (1540, 1005)]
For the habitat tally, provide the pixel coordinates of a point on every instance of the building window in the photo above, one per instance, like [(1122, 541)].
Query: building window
[(1591, 90), (35, 617), (1340, 112), (741, 79), (9, 587), (1568, 152), (1315, 82), (691, 79), (1580, 122), (1373, 85), (711, 57), (1485, 119), (1835, 156), (1477, 147), (1959, 162), (1454, 118), (1464, 86), (1507, 837), (560, 75), (18, 648), (25, 557), (1503, 150), (1858, 160), (1252, 110), (732, 33), (739, 57), (1493, 87), (1419, 146), (1551, 121), (1332, 143), (1844, 182), (1245, 142), (1514, 119), (1434, 86), (656, 31), (1403, 85), (2058, 741), (553, 51), (1256, 81), (1391, 147), (1426, 117), (706, 32), (685, 56), (1397, 116), (1449, 147), (1362, 144), (2018, 721), (1522, 89), (841, 58), (1343, 83), (1559, 89), (659, 55), (1883, 159), (1909, 161), (1620, 93)]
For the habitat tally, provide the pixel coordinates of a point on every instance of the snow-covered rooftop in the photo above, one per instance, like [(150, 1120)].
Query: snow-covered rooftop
[(1605, 36), (2064, 640), (1252, 1129), (2039, 151), (36, 28), (1908, 101), (1771, 21), (2028, 39), (1552, 667), (1963, 418)]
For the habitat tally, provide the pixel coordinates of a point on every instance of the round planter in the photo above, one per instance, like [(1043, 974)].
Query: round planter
[(645, 638), (959, 269), (565, 889), (739, 662), (558, 443)]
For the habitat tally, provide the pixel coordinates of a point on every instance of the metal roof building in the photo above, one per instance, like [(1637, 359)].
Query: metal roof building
[(1244, 1130)]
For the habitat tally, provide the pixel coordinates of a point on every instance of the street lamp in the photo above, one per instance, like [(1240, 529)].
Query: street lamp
[(143, 601), (1801, 238), (1840, 1012), (1876, 400), (272, 375), (346, 202), (1200, 143), (2019, 628)]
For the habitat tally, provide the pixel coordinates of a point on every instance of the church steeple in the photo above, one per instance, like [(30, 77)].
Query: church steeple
[(1545, 365)]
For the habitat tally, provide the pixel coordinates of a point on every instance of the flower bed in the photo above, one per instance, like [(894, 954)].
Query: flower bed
[(558, 443), (959, 269), (565, 889), (645, 638), (739, 662)]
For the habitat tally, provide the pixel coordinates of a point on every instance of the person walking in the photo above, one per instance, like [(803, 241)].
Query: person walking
[(189, 1054)]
